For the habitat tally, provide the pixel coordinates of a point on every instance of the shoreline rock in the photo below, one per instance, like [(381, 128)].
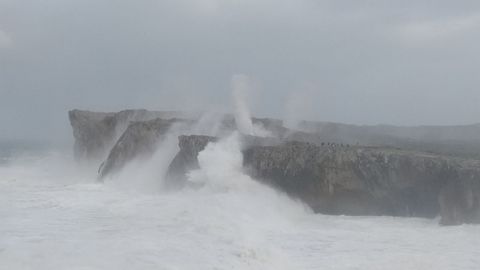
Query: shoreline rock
[(355, 180), (138, 141), (323, 167), (95, 133)]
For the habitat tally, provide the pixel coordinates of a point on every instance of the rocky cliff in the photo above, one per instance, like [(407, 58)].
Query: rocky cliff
[(190, 146), (96, 132), (367, 180), (461, 140), (321, 166), (139, 140), (92, 132), (357, 180), (459, 199), (186, 159)]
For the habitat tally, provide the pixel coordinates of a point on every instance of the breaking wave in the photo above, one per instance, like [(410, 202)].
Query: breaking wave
[(56, 216)]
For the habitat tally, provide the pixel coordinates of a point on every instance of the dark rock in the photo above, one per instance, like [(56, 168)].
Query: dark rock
[(92, 132), (190, 146), (139, 140), (96, 132), (459, 200), (186, 159), (355, 180), (322, 164)]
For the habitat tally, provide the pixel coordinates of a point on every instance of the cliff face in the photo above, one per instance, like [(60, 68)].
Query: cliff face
[(138, 140), (332, 178), (354, 180), (96, 132), (357, 180), (459, 200), (92, 132), (190, 146), (186, 159)]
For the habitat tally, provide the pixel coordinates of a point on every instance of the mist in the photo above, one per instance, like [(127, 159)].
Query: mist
[(287, 134), (223, 217), (403, 63)]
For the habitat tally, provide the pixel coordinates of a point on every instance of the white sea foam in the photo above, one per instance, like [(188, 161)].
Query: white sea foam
[(55, 216)]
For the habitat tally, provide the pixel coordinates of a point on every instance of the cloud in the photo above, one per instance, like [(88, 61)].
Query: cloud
[(426, 31), (5, 40), (398, 62)]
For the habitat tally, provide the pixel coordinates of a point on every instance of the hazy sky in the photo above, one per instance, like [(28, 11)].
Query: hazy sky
[(402, 62)]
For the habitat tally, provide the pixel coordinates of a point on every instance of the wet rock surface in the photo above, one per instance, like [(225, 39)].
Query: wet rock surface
[(138, 141), (459, 199), (92, 132), (186, 159), (96, 132), (348, 180), (353, 180), (320, 165)]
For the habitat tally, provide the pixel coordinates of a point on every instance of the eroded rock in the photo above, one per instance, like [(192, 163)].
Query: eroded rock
[(320, 167), (138, 141), (351, 180), (95, 132), (459, 199), (186, 159)]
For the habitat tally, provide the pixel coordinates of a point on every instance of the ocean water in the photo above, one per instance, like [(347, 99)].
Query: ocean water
[(55, 215)]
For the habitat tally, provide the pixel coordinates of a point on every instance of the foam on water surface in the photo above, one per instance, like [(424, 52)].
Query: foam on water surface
[(55, 216)]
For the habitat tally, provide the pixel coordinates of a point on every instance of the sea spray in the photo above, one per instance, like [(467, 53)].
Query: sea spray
[(229, 205), (54, 218), (299, 106), (221, 171), (243, 119), (253, 207), (242, 114), (147, 173), (209, 123)]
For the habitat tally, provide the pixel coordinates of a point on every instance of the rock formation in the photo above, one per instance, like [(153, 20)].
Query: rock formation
[(459, 199), (186, 159), (96, 132), (92, 132), (356, 180), (138, 140), (460, 141), (323, 165), (190, 146)]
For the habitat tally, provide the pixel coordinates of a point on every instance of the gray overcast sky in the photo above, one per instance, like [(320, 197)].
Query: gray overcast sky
[(403, 62)]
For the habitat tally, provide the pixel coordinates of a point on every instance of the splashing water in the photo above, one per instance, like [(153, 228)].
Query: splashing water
[(243, 119), (55, 216)]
